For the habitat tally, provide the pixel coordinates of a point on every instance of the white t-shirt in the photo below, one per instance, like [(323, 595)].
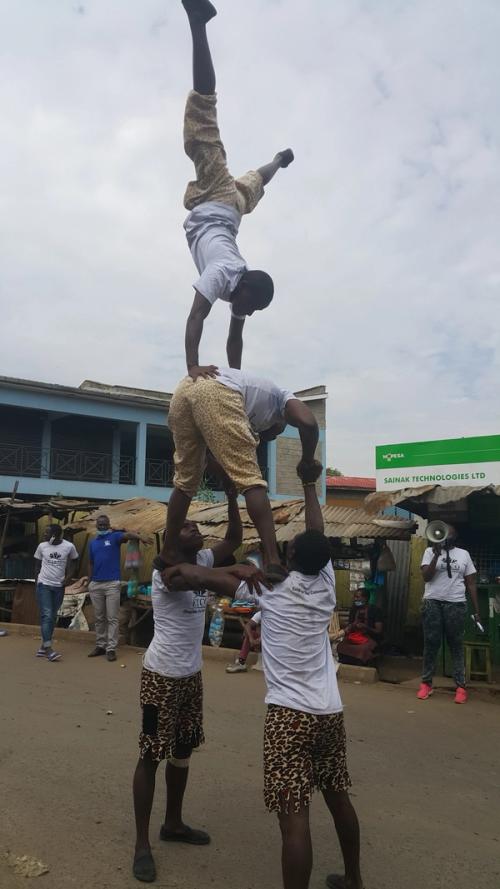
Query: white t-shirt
[(442, 587), (296, 652), (54, 560), (264, 401), (179, 620), (211, 231)]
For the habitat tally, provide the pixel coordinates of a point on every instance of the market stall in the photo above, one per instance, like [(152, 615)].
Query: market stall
[(356, 537)]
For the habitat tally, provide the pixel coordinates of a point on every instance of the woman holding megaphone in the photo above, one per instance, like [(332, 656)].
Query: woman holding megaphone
[(449, 573)]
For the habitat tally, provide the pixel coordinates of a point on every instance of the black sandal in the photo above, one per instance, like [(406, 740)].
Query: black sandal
[(335, 881), (144, 868), (186, 835)]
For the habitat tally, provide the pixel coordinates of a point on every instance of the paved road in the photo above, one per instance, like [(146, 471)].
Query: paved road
[(426, 782)]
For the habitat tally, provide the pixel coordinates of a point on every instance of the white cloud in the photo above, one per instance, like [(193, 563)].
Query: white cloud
[(382, 238)]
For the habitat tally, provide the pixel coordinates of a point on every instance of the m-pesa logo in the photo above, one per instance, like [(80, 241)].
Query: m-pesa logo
[(389, 457)]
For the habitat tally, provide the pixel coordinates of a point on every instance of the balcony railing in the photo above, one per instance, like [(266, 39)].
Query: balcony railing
[(159, 473), (26, 461)]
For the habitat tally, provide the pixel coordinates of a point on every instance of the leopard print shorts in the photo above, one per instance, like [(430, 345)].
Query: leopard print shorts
[(172, 714), (302, 752)]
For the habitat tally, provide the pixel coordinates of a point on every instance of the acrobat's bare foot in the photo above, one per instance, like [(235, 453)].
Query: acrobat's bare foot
[(285, 157), (199, 11)]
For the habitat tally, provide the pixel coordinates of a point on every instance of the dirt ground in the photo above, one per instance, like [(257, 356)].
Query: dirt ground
[(425, 781)]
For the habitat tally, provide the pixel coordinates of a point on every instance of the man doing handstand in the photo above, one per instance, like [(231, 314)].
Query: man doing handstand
[(217, 201)]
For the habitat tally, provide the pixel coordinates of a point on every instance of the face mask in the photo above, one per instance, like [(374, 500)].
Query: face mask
[(359, 603), (102, 533)]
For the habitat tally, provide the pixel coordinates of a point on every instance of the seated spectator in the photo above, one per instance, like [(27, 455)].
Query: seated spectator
[(363, 633)]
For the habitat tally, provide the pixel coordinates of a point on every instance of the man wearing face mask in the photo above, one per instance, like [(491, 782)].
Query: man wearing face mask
[(104, 588), (449, 573)]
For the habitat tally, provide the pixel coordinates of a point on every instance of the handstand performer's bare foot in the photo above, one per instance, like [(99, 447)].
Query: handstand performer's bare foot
[(285, 157), (199, 11)]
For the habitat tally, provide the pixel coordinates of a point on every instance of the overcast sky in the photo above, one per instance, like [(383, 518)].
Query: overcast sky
[(382, 238)]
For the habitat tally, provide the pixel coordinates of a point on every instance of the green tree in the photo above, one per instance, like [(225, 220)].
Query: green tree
[(334, 472), (205, 493)]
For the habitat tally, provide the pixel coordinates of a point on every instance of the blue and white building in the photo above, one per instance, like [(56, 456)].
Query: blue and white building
[(113, 443)]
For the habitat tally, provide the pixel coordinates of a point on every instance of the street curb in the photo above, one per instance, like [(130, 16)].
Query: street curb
[(59, 633), (88, 637), (353, 673)]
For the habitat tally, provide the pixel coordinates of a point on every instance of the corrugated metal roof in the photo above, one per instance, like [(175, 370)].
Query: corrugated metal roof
[(148, 517), (289, 521), (344, 529), (27, 509), (345, 514), (283, 512), (354, 482), (418, 500)]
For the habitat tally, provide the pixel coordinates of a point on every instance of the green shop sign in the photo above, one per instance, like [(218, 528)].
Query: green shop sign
[(452, 461)]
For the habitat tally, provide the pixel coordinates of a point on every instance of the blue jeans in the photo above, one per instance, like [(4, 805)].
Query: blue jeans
[(49, 600)]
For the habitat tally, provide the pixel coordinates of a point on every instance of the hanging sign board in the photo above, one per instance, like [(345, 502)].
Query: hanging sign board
[(473, 462)]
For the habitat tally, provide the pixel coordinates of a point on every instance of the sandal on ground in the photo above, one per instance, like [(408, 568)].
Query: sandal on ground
[(144, 868), (185, 835), (42, 652), (336, 881), (54, 656)]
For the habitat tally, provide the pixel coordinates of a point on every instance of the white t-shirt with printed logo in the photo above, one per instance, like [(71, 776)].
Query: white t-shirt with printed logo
[(442, 587), (54, 560), (296, 652), (179, 620)]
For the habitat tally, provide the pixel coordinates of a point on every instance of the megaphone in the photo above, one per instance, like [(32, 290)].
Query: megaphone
[(437, 532)]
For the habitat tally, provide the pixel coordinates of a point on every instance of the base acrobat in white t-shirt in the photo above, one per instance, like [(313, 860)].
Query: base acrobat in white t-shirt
[(179, 625), (296, 653)]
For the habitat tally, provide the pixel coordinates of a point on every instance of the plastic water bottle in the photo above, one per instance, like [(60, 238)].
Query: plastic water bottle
[(216, 629), (132, 588)]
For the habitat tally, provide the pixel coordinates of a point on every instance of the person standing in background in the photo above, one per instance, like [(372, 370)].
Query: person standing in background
[(105, 587), (448, 573), (56, 561)]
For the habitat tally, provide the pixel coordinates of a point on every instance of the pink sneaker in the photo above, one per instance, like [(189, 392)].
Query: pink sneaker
[(461, 696), (425, 691)]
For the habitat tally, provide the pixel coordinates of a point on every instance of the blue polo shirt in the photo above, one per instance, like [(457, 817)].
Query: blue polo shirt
[(105, 556)]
